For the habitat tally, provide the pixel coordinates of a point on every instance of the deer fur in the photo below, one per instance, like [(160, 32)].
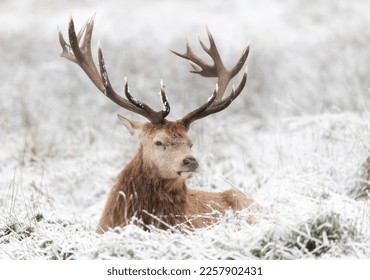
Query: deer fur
[(153, 188)]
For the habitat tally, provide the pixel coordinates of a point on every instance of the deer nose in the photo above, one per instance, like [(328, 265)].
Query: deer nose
[(191, 163)]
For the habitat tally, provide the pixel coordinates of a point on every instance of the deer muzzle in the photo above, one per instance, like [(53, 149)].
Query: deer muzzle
[(191, 164)]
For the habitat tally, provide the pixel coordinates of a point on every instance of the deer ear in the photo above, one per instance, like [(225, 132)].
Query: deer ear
[(134, 127)]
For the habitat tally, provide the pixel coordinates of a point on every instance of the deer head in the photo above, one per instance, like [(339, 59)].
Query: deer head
[(166, 148), (165, 144)]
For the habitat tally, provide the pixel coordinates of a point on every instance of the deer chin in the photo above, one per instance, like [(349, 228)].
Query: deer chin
[(186, 174)]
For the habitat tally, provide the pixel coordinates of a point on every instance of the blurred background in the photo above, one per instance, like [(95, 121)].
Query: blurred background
[(306, 57)]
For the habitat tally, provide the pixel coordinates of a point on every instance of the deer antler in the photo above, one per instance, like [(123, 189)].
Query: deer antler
[(83, 57), (215, 103)]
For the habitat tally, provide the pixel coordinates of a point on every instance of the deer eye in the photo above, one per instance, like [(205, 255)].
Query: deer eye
[(158, 143)]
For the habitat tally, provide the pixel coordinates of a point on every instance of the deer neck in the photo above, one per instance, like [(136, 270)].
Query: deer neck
[(148, 193)]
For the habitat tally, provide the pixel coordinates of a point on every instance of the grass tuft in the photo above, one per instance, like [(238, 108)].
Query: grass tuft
[(313, 238), (15, 230)]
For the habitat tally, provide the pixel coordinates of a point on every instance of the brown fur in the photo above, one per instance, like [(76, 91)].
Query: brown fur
[(162, 200)]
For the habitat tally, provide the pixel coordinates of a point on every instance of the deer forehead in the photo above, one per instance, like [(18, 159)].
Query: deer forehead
[(170, 133)]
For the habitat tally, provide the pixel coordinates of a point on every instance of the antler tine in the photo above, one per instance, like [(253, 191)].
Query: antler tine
[(224, 103), (66, 49), (88, 27), (166, 105), (218, 70), (83, 57), (196, 114), (214, 54), (142, 105), (239, 65), (199, 66), (211, 107)]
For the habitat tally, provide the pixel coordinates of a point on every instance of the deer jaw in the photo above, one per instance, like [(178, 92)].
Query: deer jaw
[(166, 148)]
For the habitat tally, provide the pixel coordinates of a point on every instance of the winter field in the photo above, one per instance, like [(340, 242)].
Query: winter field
[(297, 139)]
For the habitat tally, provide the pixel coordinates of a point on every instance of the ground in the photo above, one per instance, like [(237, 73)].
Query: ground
[(297, 139)]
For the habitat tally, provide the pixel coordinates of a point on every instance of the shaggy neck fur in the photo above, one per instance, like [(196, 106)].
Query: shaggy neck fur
[(139, 192)]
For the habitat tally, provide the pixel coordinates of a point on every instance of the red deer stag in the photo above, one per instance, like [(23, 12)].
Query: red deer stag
[(152, 185)]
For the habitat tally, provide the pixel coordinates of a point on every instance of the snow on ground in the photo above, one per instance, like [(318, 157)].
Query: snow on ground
[(297, 139)]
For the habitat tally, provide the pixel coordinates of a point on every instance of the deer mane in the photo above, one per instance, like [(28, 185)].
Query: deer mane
[(139, 190)]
